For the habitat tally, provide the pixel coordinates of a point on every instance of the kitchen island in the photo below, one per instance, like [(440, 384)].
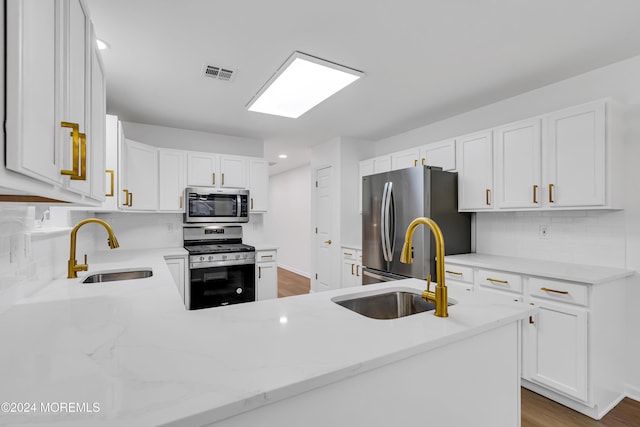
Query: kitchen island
[(128, 353)]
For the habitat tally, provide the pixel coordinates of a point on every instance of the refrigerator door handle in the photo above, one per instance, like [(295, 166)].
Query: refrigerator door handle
[(383, 221), (391, 223)]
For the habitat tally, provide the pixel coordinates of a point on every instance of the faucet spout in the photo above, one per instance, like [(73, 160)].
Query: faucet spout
[(73, 266), (439, 297)]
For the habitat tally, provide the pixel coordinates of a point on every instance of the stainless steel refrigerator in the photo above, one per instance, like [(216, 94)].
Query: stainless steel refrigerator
[(391, 200)]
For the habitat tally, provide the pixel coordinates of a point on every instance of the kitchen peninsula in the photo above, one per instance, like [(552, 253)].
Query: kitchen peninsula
[(131, 348)]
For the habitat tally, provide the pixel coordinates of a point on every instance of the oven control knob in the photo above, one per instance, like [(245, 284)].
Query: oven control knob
[(210, 257), (201, 258), (224, 257), (237, 256), (239, 291)]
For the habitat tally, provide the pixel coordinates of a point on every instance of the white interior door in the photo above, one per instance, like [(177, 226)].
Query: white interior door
[(325, 266)]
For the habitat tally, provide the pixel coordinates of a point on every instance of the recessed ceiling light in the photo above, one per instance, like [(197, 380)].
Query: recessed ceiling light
[(300, 84), (102, 45), (283, 156)]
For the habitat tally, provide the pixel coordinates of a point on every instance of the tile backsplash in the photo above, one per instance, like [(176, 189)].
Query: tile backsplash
[(28, 261), (581, 237)]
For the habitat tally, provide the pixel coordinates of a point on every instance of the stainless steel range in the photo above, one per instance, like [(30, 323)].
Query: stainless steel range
[(221, 267)]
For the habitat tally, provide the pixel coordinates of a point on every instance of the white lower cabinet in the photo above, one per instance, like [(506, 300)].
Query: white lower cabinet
[(555, 348), (351, 267), (571, 347), (266, 275), (178, 268)]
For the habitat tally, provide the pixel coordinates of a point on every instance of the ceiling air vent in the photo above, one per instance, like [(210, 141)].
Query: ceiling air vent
[(225, 74)]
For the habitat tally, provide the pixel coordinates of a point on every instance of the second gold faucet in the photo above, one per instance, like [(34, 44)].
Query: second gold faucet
[(73, 266), (439, 297)]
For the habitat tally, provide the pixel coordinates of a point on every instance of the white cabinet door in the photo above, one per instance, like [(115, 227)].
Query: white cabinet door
[(112, 171), (382, 164), (258, 185), (266, 280), (441, 154), (177, 267), (233, 172), (97, 149), (405, 159), (202, 169), (555, 348), (575, 156), (32, 120), (140, 176), (75, 83), (172, 166), (517, 165), (475, 180)]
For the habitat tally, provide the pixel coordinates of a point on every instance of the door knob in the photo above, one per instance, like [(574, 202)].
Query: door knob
[(328, 242)]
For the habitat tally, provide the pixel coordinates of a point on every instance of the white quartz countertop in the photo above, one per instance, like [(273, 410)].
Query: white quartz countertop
[(263, 246), (590, 274), (131, 348)]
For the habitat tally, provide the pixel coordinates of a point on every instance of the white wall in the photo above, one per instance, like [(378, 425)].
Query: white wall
[(288, 221), (602, 238), (184, 139)]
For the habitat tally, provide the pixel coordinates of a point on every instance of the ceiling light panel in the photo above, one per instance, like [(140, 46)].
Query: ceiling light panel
[(300, 84)]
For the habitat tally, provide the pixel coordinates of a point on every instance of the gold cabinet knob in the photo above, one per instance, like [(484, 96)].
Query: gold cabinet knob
[(328, 242)]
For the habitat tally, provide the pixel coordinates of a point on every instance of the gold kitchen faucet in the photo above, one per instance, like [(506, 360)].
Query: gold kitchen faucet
[(73, 266)]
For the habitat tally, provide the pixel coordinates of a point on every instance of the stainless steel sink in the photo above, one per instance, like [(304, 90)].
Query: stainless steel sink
[(111, 276), (388, 305)]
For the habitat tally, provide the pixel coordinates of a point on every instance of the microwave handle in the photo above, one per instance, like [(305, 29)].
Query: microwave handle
[(238, 205)]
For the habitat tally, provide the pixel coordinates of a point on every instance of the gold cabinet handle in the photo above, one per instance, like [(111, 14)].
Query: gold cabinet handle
[(503, 282), (531, 320), (551, 193), (423, 160), (222, 179), (352, 265), (555, 291), (415, 163), (266, 256), (130, 199), (181, 201), (127, 198), (535, 194), (328, 242), (357, 271), (76, 149), (112, 178), (259, 272), (487, 195), (82, 176), (457, 273), (252, 203), (348, 254), (213, 178)]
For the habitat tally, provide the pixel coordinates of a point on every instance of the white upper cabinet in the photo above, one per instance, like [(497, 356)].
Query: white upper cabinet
[(258, 185), (98, 124), (517, 165), (139, 176), (233, 172), (50, 85), (575, 156), (203, 169), (172, 167), (114, 135), (405, 159), (475, 166), (441, 154)]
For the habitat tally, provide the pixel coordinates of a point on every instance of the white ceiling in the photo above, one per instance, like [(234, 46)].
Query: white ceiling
[(424, 60)]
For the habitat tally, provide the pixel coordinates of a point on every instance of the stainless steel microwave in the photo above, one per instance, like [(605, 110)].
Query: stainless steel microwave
[(208, 204)]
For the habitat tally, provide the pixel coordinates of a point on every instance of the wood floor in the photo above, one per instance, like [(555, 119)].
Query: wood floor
[(537, 411)]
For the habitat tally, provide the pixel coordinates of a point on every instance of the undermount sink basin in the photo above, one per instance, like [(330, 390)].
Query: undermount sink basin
[(112, 276), (388, 305)]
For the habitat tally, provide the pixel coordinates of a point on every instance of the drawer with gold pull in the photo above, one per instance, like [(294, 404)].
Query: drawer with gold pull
[(558, 290), (499, 280), (459, 273)]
